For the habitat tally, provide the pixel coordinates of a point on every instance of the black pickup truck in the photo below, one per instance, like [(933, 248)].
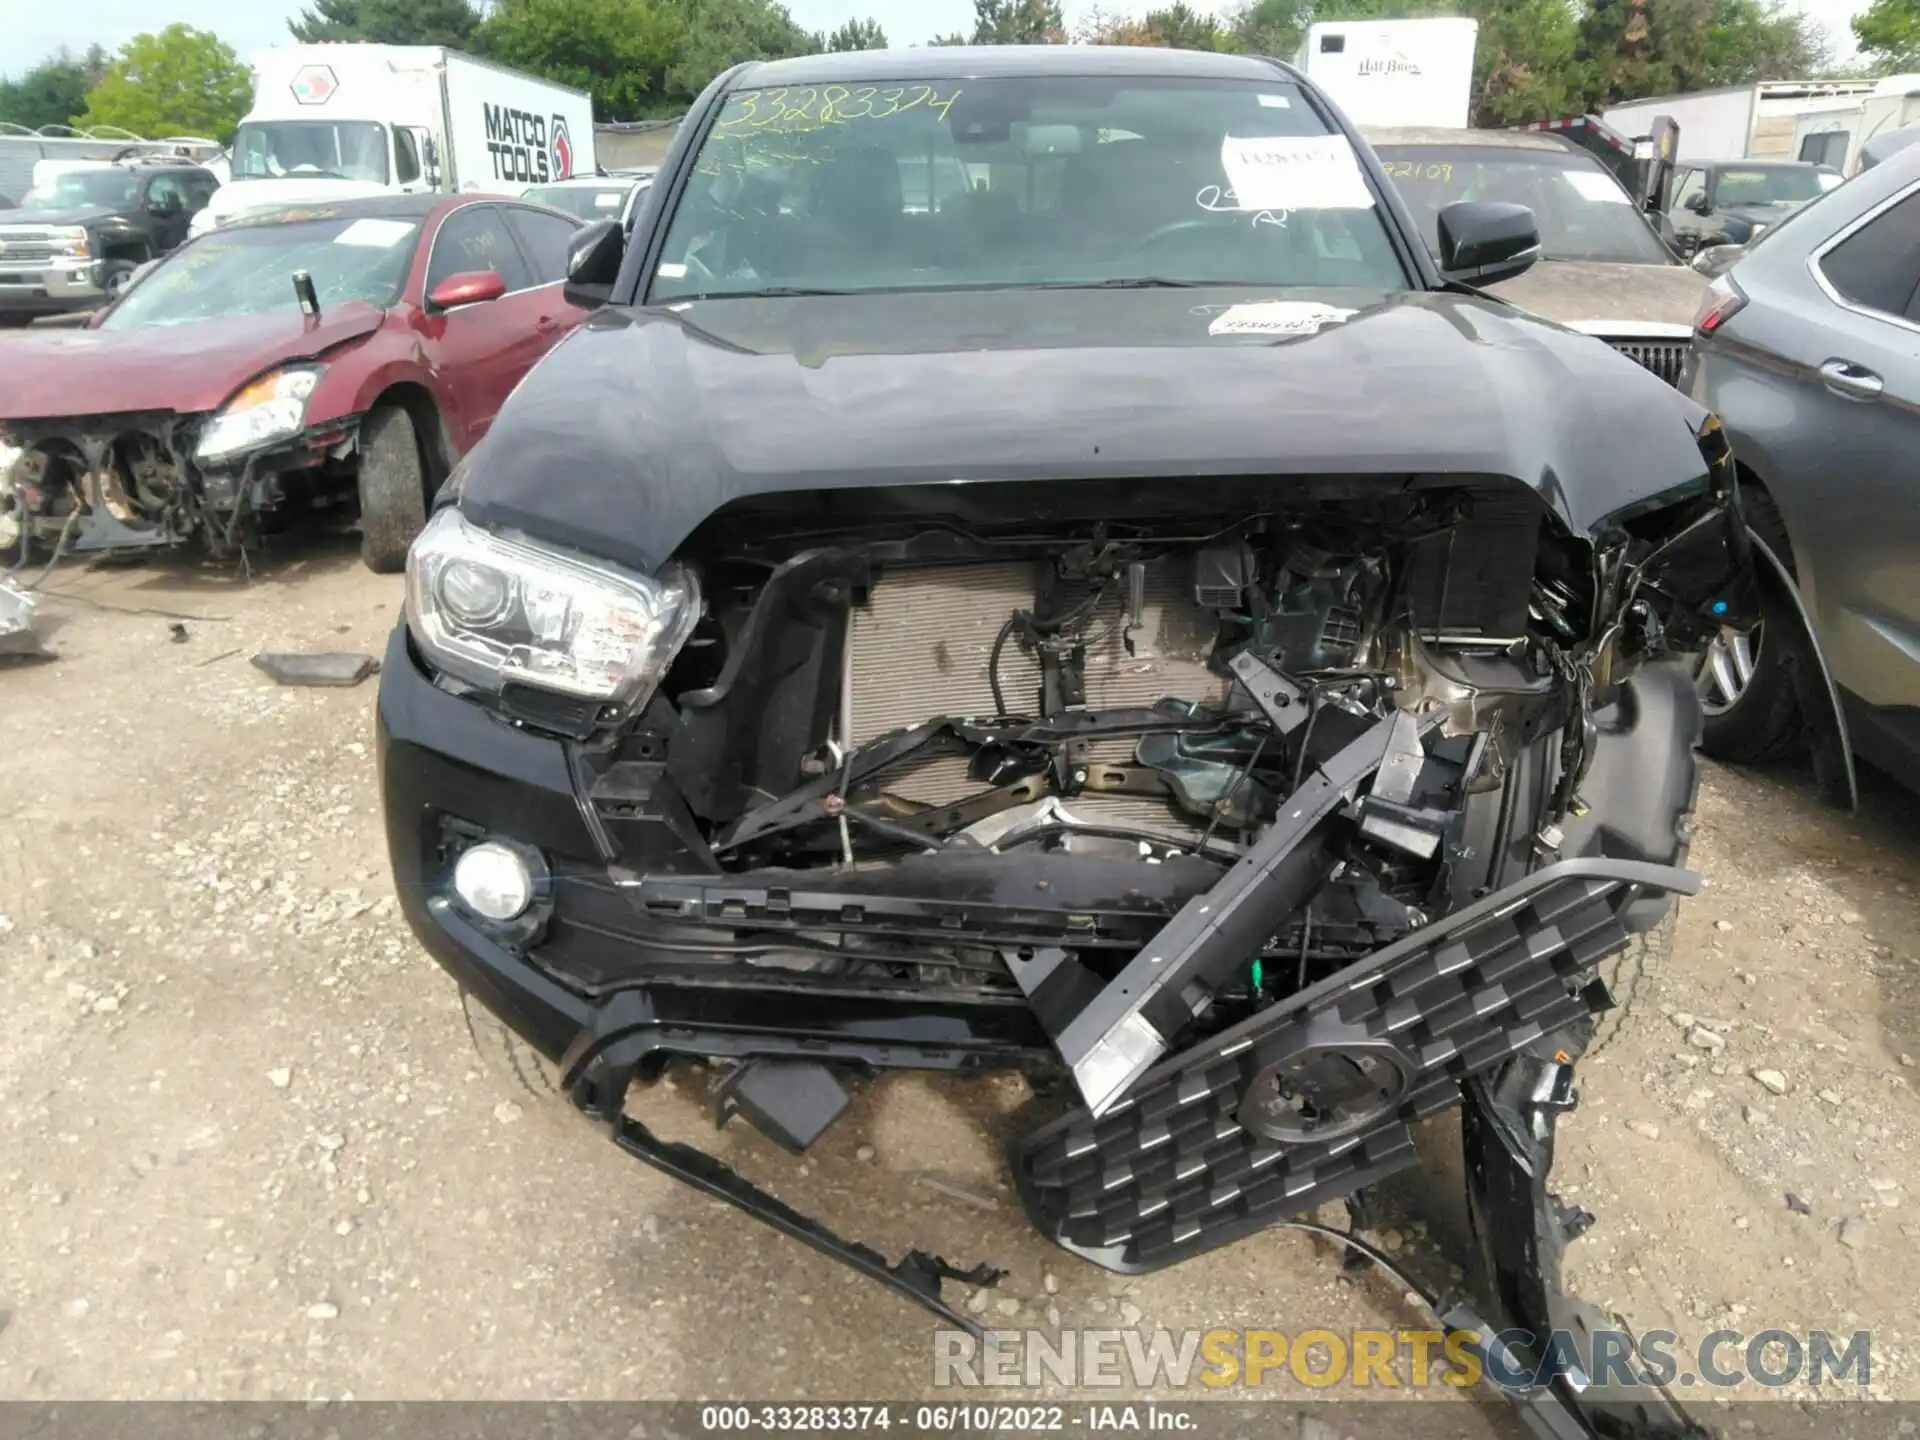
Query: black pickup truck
[(74, 243)]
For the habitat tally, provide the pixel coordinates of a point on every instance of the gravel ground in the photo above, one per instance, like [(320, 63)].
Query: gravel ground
[(249, 1153)]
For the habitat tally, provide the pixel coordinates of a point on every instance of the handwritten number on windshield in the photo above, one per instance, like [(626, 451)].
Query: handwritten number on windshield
[(836, 105), (1222, 201)]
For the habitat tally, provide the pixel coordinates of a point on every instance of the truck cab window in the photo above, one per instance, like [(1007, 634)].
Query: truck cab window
[(406, 158), (322, 149)]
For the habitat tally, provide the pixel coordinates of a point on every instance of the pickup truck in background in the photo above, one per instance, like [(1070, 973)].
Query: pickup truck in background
[(81, 232)]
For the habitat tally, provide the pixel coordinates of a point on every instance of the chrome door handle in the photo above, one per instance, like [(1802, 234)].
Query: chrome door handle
[(1856, 382)]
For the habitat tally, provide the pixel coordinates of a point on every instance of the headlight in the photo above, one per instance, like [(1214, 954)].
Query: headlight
[(271, 408), (69, 242), (493, 610)]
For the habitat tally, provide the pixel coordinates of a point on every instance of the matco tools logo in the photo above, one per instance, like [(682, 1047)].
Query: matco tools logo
[(526, 147)]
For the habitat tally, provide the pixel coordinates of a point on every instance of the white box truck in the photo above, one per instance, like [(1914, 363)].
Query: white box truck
[(1395, 72), (330, 122), (1740, 122)]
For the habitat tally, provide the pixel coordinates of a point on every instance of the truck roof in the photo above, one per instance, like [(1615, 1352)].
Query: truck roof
[(1377, 135), (1003, 62)]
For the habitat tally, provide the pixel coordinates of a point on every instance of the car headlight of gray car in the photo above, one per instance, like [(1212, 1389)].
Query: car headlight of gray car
[(492, 610)]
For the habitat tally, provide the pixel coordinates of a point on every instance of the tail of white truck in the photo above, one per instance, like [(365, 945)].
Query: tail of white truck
[(1395, 72), (333, 122)]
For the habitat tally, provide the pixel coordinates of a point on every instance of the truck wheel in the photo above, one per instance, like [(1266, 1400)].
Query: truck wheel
[(1751, 713), (114, 275), (521, 1071), (1627, 976), (15, 322), (393, 489)]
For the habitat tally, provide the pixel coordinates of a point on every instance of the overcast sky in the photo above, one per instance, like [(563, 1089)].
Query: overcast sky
[(30, 28)]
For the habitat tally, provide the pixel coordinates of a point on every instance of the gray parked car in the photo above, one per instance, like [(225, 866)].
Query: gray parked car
[(1809, 351)]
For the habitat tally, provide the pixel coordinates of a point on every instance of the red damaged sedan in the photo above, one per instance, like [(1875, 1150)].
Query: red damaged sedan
[(329, 359)]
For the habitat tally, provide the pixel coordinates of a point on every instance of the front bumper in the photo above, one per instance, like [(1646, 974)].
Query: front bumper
[(58, 287), (1485, 1007)]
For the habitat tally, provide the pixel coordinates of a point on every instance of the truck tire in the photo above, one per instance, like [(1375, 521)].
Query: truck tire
[(114, 275), (393, 489), (520, 1071), (1761, 722)]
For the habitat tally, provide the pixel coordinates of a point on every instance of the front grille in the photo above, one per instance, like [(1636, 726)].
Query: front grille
[(1663, 357), (1364, 1054), (25, 249)]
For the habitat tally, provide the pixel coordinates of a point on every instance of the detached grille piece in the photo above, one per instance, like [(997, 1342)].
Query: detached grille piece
[(1314, 1097), (1663, 357)]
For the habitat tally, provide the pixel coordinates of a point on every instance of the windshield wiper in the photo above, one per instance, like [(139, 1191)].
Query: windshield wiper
[(1129, 282), (776, 292)]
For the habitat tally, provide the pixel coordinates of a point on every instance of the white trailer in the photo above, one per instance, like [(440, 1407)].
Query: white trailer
[(332, 122), (1395, 72), (23, 152), (1835, 135), (1740, 122)]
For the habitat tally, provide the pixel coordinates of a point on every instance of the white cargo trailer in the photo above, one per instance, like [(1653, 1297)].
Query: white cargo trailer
[(331, 122), (1395, 72), (1740, 122)]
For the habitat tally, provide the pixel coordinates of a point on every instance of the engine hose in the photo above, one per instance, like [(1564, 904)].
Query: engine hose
[(993, 666)]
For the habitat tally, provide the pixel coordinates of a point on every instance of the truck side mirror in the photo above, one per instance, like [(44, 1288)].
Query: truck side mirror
[(594, 253), (1485, 241), (429, 158), (1698, 204)]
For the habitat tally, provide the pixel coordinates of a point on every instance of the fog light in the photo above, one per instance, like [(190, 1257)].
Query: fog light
[(494, 881)]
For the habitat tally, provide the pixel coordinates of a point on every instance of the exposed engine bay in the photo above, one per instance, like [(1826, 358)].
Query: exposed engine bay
[(1095, 724), (133, 481)]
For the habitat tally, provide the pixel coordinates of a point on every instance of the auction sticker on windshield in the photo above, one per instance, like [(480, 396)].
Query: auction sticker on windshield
[(1596, 187), (1295, 172), (375, 234)]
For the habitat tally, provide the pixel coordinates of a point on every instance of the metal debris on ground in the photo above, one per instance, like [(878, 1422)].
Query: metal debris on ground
[(16, 625), (332, 667), (178, 632)]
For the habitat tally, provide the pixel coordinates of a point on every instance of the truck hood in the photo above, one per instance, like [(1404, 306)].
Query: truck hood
[(1605, 297), (241, 195), (51, 374), (647, 421), (86, 215)]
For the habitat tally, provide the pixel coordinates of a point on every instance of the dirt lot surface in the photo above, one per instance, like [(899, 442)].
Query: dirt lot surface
[(247, 1151)]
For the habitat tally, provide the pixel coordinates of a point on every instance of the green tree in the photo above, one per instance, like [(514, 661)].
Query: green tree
[(716, 34), (1177, 26), (181, 81), (389, 22), (1523, 64), (1018, 22), (853, 35), (1889, 33), (54, 91), (952, 37), (1629, 49), (618, 51)]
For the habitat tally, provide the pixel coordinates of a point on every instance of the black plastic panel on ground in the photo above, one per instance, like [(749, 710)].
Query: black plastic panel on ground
[(1172, 1172)]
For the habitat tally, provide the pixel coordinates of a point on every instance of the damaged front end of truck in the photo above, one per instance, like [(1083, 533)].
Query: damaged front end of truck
[(1254, 823)]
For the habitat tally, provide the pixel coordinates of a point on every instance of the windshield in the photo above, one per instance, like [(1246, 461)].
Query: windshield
[(329, 149), (1582, 212), (589, 202), (1769, 185), (113, 189), (1036, 181), (249, 270)]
